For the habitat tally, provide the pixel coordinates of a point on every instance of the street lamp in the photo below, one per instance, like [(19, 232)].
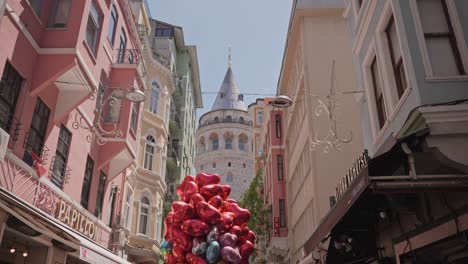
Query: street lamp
[(281, 101)]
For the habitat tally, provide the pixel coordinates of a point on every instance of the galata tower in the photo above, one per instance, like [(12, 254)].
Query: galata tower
[(224, 138)]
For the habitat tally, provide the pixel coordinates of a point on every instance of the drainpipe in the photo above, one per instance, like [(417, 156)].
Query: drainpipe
[(409, 153)]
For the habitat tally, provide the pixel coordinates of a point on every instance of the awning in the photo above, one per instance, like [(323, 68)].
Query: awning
[(46, 224)]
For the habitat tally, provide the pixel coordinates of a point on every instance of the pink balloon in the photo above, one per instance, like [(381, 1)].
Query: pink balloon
[(195, 228)]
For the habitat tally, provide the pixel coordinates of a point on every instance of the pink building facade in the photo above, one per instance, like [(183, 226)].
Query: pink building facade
[(69, 110), (274, 170)]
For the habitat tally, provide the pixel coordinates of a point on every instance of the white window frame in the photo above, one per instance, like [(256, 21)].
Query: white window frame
[(140, 205), (393, 103), (458, 31), (128, 210), (377, 132), (153, 103), (149, 155)]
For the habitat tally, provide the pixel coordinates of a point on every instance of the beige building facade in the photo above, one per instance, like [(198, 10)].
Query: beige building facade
[(322, 129)]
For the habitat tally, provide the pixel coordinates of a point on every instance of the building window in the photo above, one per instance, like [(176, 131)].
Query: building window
[(123, 49), (242, 142), (149, 152), (214, 165), (240, 97), (229, 119), (260, 117), (36, 6), (229, 178), (93, 29), (243, 165), (87, 182), (164, 32), (378, 93), (282, 211), (229, 164), (228, 143), (279, 163), (153, 103), (216, 119), (278, 125), (60, 12), (37, 132), (359, 3), (215, 144), (59, 170), (113, 24), (112, 199), (396, 57), (100, 195), (442, 48), (144, 216), (10, 86), (134, 116), (100, 97), (128, 209)]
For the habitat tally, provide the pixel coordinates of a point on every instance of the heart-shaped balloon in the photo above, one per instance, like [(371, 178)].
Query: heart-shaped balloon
[(213, 252), (250, 236), (187, 188), (177, 251), (196, 198), (199, 246), (227, 221), (196, 228), (170, 259), (226, 191), (239, 231), (195, 259), (231, 255), (242, 215), (228, 240), (182, 211), (210, 190), (203, 179), (216, 201), (168, 226), (246, 249), (208, 213), (181, 239)]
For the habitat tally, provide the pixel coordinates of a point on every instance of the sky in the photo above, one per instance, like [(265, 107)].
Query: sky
[(255, 29)]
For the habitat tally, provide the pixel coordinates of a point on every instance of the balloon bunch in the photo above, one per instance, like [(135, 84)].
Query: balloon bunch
[(205, 226)]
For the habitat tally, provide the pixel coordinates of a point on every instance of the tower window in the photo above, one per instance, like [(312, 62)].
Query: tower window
[(214, 164), (240, 97), (229, 164)]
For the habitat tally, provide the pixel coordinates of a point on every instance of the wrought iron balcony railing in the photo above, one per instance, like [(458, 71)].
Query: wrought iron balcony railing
[(227, 120), (128, 56)]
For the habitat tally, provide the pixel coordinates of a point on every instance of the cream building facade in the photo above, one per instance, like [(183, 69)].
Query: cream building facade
[(317, 72), (225, 139), (143, 198)]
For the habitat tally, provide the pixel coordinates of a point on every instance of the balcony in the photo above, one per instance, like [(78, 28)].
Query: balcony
[(226, 120), (128, 56), (21, 180)]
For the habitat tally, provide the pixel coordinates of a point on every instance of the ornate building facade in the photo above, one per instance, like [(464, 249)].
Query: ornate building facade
[(225, 139)]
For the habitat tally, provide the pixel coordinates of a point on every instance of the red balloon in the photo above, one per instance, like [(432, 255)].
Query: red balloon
[(195, 259), (211, 190), (231, 201), (195, 228), (203, 179), (196, 198), (246, 249), (242, 215), (187, 188), (170, 259), (226, 191), (177, 251), (208, 213), (168, 226), (216, 201), (183, 240), (239, 231), (227, 221), (182, 211), (250, 236)]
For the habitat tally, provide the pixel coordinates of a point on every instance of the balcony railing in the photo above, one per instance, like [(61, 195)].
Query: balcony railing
[(128, 56), (162, 59), (227, 120), (22, 181)]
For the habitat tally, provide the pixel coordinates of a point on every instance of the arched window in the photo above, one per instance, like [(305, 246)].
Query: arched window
[(143, 225), (154, 97), (128, 209), (240, 97), (216, 119), (228, 142), (241, 120), (229, 118), (149, 152), (229, 178), (243, 139), (214, 141)]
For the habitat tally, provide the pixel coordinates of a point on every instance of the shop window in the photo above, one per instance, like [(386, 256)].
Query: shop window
[(87, 182)]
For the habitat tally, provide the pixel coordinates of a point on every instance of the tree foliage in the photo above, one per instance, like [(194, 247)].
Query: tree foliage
[(253, 200)]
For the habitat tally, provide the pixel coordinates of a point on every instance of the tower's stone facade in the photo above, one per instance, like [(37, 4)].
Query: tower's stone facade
[(224, 139)]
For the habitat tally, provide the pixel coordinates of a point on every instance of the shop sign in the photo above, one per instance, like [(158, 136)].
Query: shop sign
[(72, 217), (276, 226)]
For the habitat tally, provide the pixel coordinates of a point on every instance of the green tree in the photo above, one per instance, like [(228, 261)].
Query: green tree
[(260, 215)]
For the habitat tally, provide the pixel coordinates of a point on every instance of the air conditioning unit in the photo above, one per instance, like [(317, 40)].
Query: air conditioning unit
[(4, 139)]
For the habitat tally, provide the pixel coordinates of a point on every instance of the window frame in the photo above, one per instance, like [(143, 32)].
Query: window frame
[(278, 125), (229, 178), (153, 103), (228, 142), (38, 133), (134, 116), (13, 81), (454, 20), (112, 31), (87, 181), (379, 100), (148, 157), (280, 169), (148, 216), (128, 207), (282, 212), (100, 195), (97, 22), (65, 139)]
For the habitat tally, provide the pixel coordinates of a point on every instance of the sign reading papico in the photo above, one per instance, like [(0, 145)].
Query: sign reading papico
[(72, 217)]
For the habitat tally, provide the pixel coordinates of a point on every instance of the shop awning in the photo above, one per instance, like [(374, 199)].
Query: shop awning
[(49, 226)]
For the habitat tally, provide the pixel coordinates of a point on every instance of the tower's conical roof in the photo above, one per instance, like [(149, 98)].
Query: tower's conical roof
[(229, 96)]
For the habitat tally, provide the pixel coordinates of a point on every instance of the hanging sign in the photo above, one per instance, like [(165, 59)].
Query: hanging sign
[(276, 226)]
